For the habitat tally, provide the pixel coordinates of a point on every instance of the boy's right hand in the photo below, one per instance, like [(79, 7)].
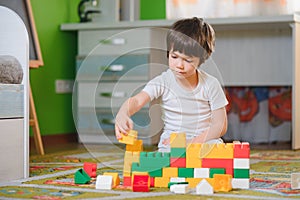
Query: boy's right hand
[(122, 125)]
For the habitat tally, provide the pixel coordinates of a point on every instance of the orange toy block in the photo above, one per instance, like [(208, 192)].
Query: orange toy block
[(116, 178), (130, 138), (137, 146), (222, 183), (161, 182), (177, 140), (217, 150), (170, 172), (192, 156)]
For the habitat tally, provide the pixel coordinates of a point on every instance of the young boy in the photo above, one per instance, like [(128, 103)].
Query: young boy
[(193, 101)]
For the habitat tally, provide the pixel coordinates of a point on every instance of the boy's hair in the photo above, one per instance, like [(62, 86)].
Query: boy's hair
[(193, 37)]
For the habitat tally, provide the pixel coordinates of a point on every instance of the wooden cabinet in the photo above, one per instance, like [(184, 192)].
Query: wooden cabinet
[(250, 51)]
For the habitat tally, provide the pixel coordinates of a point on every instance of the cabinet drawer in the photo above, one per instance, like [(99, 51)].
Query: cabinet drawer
[(104, 120), (108, 68), (106, 95), (117, 41)]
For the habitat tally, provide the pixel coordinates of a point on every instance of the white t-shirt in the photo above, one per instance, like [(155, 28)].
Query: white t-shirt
[(183, 110)]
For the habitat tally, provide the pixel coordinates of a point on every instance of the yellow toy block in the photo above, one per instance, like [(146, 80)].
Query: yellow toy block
[(217, 151), (116, 178), (130, 138), (161, 182), (137, 146), (222, 182), (136, 157), (170, 172), (193, 182), (192, 156), (177, 140), (129, 158)]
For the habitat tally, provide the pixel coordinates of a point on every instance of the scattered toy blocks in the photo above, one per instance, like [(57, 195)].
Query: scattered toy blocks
[(81, 177), (104, 182), (90, 169), (204, 188), (222, 183), (116, 178)]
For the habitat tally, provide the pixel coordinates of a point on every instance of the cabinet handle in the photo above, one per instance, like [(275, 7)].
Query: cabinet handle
[(112, 68), (114, 41), (108, 121), (114, 94)]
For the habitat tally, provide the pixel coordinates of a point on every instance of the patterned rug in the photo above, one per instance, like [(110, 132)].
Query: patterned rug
[(52, 177)]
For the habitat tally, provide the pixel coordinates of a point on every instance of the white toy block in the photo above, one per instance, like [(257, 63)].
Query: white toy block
[(179, 188), (240, 183), (241, 163), (201, 173), (177, 179), (204, 188), (295, 181), (104, 182)]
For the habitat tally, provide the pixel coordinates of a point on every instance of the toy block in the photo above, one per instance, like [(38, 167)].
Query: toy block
[(136, 157), (213, 171), (218, 163), (193, 182), (81, 177), (222, 183), (140, 183), (136, 146), (177, 179), (153, 171), (240, 183), (204, 188), (130, 138), (161, 181), (217, 150), (90, 169), (241, 173), (129, 158), (170, 172), (186, 172), (295, 181), (104, 182), (178, 152), (201, 172), (127, 181), (180, 188), (155, 160), (116, 178), (177, 140), (173, 183), (192, 156), (241, 150), (178, 162), (241, 163), (152, 181)]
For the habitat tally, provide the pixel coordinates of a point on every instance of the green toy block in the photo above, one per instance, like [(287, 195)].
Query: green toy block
[(178, 152), (152, 171), (213, 171), (186, 172), (154, 160), (241, 173), (81, 177)]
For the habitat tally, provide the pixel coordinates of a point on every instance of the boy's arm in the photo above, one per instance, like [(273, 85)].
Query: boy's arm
[(217, 128), (123, 123)]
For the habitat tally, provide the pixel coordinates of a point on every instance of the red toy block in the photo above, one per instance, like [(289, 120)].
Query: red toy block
[(178, 162), (152, 181), (90, 169), (241, 150), (227, 164), (140, 183), (127, 181)]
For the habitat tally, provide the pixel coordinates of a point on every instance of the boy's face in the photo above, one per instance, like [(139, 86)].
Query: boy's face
[(182, 65)]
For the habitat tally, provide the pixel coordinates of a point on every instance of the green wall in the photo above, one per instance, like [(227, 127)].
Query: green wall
[(59, 49)]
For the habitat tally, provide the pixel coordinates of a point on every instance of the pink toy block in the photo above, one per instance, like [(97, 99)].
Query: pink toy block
[(90, 169)]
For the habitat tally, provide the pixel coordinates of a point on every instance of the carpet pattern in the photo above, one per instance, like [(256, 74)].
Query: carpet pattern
[(52, 177)]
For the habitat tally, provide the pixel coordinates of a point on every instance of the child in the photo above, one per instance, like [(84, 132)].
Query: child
[(193, 101)]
